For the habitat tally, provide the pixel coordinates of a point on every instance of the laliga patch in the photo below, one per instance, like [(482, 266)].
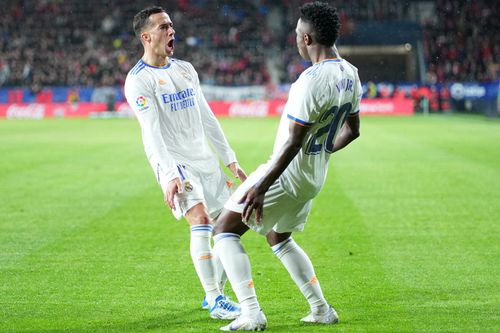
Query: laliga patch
[(188, 187), (142, 103)]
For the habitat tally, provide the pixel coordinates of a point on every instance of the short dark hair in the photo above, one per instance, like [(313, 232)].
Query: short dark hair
[(141, 19), (324, 20)]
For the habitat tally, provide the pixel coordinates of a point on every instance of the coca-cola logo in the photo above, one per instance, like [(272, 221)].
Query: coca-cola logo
[(250, 109), (377, 107), (29, 111)]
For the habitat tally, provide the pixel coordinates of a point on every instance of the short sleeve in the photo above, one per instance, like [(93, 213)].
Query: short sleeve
[(302, 102), (358, 92)]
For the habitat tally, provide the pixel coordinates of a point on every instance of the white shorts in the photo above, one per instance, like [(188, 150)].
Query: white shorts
[(282, 213), (211, 189)]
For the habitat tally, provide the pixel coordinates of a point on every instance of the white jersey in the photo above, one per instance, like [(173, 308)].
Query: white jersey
[(321, 98), (175, 119)]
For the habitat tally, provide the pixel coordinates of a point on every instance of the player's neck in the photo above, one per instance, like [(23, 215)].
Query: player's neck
[(154, 60), (320, 54)]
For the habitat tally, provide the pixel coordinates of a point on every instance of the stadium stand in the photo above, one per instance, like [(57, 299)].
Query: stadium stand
[(462, 42), (74, 47), (91, 43)]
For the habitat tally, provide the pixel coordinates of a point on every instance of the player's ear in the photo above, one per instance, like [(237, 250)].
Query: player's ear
[(308, 39), (145, 37)]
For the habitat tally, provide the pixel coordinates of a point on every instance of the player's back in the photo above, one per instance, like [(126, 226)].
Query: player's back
[(321, 98)]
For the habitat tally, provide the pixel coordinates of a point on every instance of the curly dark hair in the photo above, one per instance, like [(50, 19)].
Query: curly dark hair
[(141, 19), (324, 20)]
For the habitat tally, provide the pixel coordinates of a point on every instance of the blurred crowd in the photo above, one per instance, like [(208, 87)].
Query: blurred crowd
[(91, 43), (462, 43), (57, 43)]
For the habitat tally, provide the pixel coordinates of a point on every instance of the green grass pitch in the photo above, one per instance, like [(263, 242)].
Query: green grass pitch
[(405, 236)]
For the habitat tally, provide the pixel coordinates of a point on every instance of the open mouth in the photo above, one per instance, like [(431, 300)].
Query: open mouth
[(170, 43)]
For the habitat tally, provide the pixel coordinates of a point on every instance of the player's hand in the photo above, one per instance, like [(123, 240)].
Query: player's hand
[(253, 200), (173, 187), (237, 171)]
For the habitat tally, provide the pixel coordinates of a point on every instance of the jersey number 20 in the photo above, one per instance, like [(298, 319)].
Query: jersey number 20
[(314, 146)]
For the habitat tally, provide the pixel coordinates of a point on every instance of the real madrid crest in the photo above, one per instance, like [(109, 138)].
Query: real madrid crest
[(188, 187)]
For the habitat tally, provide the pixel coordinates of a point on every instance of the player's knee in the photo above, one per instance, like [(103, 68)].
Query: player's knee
[(198, 215), (200, 219), (274, 238), (220, 224), (229, 221)]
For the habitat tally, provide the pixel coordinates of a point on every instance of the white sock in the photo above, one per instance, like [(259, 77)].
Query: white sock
[(201, 253), (220, 273), (237, 266), (298, 264)]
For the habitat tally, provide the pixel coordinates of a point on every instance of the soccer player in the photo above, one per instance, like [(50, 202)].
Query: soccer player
[(320, 118), (177, 126)]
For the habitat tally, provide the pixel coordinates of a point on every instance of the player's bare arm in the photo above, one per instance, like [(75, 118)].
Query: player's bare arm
[(348, 133), (254, 197)]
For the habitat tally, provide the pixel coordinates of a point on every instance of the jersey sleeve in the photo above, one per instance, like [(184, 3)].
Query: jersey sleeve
[(141, 100), (212, 128), (358, 92), (301, 102)]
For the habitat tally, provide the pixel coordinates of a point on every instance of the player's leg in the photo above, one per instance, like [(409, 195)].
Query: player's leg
[(228, 230), (220, 273), (191, 204), (300, 267), (201, 250), (203, 260), (217, 188)]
